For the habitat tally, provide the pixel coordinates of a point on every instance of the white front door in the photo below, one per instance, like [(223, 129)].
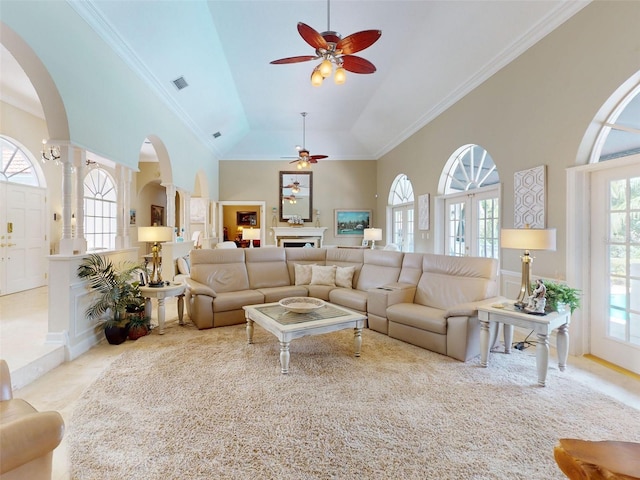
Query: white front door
[(615, 262), (402, 228), (23, 242)]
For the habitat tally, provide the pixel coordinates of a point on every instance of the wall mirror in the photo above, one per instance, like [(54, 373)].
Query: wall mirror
[(296, 195)]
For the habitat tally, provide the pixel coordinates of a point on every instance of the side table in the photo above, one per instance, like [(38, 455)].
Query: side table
[(171, 290), (504, 312)]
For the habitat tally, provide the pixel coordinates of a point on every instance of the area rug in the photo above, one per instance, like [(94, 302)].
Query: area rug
[(206, 405)]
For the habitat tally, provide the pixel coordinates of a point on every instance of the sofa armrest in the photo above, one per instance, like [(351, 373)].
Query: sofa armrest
[(469, 309), (197, 288), (382, 297), (27, 438)]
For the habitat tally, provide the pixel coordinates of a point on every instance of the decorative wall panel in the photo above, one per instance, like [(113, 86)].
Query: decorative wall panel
[(423, 212), (529, 198)]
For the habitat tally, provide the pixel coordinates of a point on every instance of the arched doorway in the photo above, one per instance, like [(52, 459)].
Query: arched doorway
[(401, 203)]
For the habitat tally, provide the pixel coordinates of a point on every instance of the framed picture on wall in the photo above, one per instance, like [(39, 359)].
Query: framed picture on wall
[(247, 219), (351, 223), (157, 215), (132, 217)]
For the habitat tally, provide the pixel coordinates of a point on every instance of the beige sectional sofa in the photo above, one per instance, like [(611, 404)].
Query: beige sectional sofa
[(424, 299)]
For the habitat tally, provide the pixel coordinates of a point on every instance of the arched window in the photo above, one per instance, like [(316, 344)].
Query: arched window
[(15, 165), (99, 211), (402, 213), (471, 201)]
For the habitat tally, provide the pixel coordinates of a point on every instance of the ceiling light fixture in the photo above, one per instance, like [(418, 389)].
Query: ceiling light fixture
[(53, 155), (334, 50), (304, 160)]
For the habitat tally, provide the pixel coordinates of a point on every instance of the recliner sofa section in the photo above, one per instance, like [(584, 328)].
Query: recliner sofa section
[(425, 299)]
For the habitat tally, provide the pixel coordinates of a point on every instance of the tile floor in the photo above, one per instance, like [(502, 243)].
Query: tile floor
[(60, 388)]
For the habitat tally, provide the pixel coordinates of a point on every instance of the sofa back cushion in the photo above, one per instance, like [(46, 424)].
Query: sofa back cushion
[(223, 270), (267, 267), (379, 268), (448, 281), (303, 256), (411, 268)]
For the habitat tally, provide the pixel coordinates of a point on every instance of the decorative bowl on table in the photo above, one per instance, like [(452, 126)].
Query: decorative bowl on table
[(301, 304)]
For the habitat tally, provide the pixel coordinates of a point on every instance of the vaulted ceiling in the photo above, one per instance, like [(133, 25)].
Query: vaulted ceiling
[(430, 55)]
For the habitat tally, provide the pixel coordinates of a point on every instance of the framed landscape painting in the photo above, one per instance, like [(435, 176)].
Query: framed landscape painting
[(351, 223)]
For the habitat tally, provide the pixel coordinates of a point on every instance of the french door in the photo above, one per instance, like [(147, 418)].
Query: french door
[(615, 262), (23, 245), (402, 228), (472, 223)]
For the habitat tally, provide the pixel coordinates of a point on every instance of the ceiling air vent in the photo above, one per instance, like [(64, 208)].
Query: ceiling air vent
[(180, 83), (216, 135)]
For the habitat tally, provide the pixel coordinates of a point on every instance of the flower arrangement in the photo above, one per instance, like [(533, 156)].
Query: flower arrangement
[(295, 220)]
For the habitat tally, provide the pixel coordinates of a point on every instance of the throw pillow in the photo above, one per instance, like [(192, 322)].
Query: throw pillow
[(321, 275), (344, 276), (303, 273), (183, 266)]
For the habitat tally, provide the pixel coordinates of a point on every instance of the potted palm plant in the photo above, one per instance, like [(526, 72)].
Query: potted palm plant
[(117, 291)]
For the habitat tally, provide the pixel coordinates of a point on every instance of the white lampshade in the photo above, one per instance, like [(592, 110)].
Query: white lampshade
[(155, 234), (528, 238), (251, 234), (373, 234)]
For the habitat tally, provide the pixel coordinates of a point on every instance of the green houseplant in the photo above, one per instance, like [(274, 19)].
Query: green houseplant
[(560, 293), (117, 292)]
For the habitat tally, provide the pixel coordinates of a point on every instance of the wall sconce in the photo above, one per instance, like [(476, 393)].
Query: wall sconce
[(527, 239), (52, 155), (155, 235), (372, 234)]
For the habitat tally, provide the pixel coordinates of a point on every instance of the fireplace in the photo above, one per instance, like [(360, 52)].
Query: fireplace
[(299, 236), (299, 242)]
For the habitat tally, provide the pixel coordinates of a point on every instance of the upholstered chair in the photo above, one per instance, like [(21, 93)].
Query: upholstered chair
[(27, 437)]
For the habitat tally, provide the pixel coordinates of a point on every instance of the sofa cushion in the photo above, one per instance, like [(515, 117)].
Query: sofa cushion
[(418, 316), (303, 256), (222, 270), (275, 294), (267, 267), (380, 267), (350, 298), (323, 275), (183, 265), (227, 301), (344, 276), (303, 273)]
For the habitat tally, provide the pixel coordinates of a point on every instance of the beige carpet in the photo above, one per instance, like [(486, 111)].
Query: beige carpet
[(206, 405)]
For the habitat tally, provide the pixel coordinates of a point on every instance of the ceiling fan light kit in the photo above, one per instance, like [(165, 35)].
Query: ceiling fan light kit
[(334, 50), (304, 159)]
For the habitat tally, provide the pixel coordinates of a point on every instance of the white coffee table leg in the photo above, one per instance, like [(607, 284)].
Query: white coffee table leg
[(357, 341), (484, 342), (284, 357), (249, 330), (161, 316), (562, 342), (542, 358)]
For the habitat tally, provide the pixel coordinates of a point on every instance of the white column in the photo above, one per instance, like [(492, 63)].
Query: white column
[(66, 242), (171, 204), (123, 178), (80, 160), (185, 215)]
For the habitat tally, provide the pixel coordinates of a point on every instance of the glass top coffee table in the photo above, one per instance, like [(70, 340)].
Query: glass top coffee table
[(287, 326)]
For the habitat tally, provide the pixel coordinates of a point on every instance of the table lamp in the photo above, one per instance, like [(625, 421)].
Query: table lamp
[(251, 234), (373, 234), (155, 235), (527, 239)]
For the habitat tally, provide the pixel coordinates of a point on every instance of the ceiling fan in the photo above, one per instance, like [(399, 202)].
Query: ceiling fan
[(303, 159), (333, 49)]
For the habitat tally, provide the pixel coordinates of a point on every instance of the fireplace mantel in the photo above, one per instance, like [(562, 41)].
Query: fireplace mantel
[(297, 233)]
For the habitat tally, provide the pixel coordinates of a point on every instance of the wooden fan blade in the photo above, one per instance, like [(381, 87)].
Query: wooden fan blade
[(357, 64), (358, 41), (311, 36), (301, 58), (315, 158)]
